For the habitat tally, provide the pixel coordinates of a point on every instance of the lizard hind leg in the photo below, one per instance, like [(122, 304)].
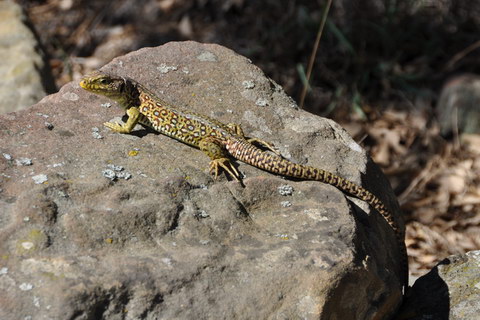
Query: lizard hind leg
[(213, 148), (264, 144), (237, 129)]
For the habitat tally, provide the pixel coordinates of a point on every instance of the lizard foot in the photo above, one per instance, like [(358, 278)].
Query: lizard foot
[(226, 165), (265, 144), (116, 127)]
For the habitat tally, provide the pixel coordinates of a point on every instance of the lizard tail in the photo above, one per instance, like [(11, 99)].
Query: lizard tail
[(365, 195), (254, 156), (312, 173), (361, 193)]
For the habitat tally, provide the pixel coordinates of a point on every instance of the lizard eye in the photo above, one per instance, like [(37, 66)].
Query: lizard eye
[(104, 81)]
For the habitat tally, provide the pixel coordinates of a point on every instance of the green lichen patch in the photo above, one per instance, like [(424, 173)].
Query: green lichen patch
[(31, 241)]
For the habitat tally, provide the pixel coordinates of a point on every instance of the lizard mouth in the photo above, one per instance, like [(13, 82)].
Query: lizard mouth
[(84, 84)]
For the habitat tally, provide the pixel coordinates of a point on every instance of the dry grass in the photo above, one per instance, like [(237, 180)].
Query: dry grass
[(437, 184)]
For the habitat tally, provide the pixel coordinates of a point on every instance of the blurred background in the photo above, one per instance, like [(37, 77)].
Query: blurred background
[(400, 76)]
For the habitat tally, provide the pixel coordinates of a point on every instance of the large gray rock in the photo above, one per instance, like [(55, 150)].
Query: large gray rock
[(24, 74), (169, 242), (451, 290)]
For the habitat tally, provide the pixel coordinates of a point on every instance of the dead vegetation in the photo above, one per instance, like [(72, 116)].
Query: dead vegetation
[(437, 184)]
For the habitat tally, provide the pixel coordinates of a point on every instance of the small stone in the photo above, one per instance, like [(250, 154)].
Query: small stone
[(285, 190), (124, 175), (26, 286), (49, 126), (7, 156), (248, 84), (163, 68), (40, 178), (62, 194), (261, 102), (23, 162), (106, 105), (97, 135), (27, 245), (202, 214), (3, 271), (140, 173), (110, 174), (114, 167), (286, 204), (114, 172), (42, 115), (36, 302)]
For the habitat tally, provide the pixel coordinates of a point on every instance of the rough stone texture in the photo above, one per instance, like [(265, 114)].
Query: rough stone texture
[(25, 79), (169, 242), (451, 290)]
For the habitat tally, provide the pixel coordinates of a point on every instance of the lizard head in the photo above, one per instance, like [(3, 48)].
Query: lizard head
[(101, 83), (120, 89)]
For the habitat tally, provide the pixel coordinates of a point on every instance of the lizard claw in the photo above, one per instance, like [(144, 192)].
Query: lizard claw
[(267, 145), (116, 127), (226, 165)]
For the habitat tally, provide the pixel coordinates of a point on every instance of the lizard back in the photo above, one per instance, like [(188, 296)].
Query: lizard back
[(186, 126)]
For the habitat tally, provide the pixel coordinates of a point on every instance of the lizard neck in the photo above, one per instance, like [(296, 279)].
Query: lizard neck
[(129, 97)]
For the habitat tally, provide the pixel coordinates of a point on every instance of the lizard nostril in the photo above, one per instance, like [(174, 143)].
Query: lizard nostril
[(84, 84)]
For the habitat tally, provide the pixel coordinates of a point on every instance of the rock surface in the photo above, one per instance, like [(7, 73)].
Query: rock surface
[(451, 290), (458, 105), (96, 224), (24, 77)]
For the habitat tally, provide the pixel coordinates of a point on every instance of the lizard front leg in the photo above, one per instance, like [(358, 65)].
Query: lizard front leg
[(237, 129), (133, 116), (213, 148)]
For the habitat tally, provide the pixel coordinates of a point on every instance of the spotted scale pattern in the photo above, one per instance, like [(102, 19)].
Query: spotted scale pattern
[(219, 141), (189, 128)]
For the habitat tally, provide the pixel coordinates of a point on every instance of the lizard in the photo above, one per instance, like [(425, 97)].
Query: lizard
[(221, 142)]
